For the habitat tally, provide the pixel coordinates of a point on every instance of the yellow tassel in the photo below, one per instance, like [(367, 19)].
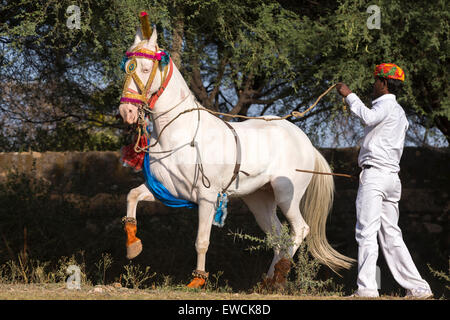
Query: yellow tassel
[(145, 25)]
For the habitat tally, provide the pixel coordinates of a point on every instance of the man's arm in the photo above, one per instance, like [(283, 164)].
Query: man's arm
[(370, 117)]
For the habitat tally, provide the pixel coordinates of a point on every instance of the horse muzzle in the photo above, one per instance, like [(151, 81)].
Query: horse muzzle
[(129, 113)]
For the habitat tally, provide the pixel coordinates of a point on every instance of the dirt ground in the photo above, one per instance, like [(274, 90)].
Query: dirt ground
[(111, 292)]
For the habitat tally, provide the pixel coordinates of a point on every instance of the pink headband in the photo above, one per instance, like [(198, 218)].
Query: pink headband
[(157, 55)]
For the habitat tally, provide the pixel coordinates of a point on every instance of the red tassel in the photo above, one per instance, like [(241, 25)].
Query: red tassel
[(131, 158)]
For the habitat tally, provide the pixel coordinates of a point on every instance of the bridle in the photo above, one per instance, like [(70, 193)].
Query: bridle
[(159, 57)]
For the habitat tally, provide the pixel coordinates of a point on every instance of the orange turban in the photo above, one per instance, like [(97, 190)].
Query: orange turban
[(389, 70)]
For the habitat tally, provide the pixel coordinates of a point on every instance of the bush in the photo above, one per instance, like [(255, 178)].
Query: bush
[(303, 278)]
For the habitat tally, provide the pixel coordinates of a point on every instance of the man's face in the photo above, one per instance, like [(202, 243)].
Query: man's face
[(379, 88)]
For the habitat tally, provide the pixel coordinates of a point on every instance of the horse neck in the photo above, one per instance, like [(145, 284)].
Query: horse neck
[(176, 98)]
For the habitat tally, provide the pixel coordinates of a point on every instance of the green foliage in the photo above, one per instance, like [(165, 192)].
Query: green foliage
[(280, 241), (306, 279), (29, 270), (135, 277), (445, 277), (304, 275), (102, 265), (214, 283), (420, 47), (247, 57), (25, 271)]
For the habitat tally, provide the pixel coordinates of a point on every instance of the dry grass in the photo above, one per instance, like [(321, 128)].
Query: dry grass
[(115, 292)]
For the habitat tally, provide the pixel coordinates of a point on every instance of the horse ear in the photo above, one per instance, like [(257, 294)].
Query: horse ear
[(153, 38), (138, 38)]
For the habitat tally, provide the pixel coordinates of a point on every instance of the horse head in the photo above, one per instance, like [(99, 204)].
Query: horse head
[(141, 63)]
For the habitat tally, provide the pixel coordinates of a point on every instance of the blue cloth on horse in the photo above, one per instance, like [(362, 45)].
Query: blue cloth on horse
[(221, 210), (160, 192)]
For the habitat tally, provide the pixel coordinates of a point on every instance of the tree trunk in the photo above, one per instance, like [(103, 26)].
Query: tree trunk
[(177, 39)]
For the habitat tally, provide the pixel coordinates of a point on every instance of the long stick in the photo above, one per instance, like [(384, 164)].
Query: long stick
[(328, 173)]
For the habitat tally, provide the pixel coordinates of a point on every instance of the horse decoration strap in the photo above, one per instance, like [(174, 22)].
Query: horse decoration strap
[(221, 210), (129, 65), (222, 198), (130, 156)]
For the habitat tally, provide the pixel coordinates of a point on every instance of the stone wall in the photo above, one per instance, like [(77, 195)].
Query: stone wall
[(425, 177)]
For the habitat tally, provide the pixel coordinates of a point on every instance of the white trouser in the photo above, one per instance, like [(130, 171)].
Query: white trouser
[(377, 214)]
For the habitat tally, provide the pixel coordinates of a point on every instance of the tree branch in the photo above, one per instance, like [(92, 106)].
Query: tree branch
[(221, 71)]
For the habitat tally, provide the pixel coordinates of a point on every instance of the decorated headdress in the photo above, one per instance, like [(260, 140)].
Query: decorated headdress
[(390, 71), (129, 65), (133, 154)]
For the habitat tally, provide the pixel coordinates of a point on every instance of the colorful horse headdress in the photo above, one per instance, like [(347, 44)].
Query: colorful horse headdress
[(129, 65)]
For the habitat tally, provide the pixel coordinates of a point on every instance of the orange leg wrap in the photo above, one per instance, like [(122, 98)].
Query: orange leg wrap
[(199, 279), (197, 283), (131, 229)]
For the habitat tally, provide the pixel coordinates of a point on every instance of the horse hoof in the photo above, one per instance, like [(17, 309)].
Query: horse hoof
[(134, 249), (196, 283)]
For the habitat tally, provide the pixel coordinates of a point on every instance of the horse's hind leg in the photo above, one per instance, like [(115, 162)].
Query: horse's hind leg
[(263, 206), (134, 244), (288, 197)]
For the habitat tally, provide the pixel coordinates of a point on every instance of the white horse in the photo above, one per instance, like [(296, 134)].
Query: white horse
[(200, 145)]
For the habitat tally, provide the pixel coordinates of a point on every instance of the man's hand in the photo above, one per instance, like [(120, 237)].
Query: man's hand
[(343, 89)]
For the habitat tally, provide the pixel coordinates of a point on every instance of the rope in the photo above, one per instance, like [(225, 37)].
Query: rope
[(295, 114)]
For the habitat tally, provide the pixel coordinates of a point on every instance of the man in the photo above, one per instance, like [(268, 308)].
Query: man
[(380, 187)]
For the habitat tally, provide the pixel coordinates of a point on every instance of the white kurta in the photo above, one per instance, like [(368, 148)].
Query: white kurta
[(384, 134), (378, 195)]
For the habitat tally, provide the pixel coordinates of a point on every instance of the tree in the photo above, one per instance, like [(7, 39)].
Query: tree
[(248, 57), (415, 35), (51, 75)]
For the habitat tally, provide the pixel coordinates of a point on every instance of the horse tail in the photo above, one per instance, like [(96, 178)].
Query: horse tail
[(315, 207)]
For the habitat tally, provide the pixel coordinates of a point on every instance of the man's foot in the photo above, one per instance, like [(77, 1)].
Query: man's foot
[(419, 293), (365, 294)]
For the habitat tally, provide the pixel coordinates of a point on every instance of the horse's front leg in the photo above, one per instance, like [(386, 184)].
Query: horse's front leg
[(134, 244), (205, 219)]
